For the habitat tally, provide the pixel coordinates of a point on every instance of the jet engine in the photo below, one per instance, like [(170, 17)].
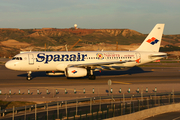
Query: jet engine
[(75, 72)]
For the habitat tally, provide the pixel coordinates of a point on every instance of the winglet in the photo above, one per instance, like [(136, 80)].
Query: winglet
[(153, 40)]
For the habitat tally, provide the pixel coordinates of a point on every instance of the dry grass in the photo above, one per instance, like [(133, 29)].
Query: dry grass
[(10, 104)]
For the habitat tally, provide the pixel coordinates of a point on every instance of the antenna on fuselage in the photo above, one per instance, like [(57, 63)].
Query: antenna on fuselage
[(45, 46), (66, 47), (116, 45)]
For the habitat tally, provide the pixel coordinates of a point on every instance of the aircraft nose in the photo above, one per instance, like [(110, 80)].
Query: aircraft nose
[(9, 64)]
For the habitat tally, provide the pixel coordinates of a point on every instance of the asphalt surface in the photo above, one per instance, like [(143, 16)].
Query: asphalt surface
[(164, 78), (135, 75), (166, 116)]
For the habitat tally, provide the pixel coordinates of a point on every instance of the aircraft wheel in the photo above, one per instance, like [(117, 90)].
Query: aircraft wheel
[(92, 77), (29, 78)]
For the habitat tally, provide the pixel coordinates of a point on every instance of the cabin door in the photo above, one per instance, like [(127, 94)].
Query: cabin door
[(31, 59)]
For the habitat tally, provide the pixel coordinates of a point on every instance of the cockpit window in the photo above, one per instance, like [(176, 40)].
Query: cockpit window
[(17, 58)]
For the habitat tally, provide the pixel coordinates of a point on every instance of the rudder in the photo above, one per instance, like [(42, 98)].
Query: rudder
[(153, 40)]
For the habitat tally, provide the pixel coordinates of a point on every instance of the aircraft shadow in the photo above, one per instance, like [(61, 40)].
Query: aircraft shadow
[(39, 74), (130, 71), (133, 70)]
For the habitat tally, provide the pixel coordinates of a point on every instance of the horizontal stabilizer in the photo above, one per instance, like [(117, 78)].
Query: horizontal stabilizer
[(159, 55)]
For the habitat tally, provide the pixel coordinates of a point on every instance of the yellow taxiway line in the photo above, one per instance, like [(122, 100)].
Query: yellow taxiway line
[(121, 82)]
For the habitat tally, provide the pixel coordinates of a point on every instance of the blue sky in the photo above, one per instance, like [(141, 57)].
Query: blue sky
[(139, 15)]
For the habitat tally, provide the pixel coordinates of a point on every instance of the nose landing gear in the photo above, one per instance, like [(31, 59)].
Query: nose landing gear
[(29, 76)]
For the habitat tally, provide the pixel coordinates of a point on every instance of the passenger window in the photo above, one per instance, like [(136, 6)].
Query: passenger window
[(20, 58)]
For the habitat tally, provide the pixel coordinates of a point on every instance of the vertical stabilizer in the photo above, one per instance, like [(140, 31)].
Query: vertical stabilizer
[(153, 40)]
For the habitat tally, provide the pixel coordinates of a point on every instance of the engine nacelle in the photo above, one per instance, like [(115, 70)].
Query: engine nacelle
[(75, 72)]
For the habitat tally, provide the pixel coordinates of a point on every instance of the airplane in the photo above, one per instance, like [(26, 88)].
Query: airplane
[(83, 63)]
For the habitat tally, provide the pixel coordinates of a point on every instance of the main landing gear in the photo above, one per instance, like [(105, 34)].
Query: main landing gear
[(91, 76), (29, 76)]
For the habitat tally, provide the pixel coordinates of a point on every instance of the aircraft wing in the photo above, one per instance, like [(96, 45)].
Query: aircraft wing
[(100, 63)]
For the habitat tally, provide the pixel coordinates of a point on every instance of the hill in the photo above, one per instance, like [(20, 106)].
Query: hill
[(14, 40)]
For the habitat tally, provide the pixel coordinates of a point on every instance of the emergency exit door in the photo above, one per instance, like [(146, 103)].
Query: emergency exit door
[(138, 57)]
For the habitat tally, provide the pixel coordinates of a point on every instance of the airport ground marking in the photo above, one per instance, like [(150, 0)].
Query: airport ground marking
[(113, 76), (176, 118), (121, 82)]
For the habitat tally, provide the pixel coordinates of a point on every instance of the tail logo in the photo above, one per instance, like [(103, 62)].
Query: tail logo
[(152, 41), (74, 71)]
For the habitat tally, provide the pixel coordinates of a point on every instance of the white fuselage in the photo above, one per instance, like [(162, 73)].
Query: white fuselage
[(58, 61)]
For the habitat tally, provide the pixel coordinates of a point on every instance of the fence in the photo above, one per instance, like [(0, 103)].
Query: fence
[(91, 108)]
